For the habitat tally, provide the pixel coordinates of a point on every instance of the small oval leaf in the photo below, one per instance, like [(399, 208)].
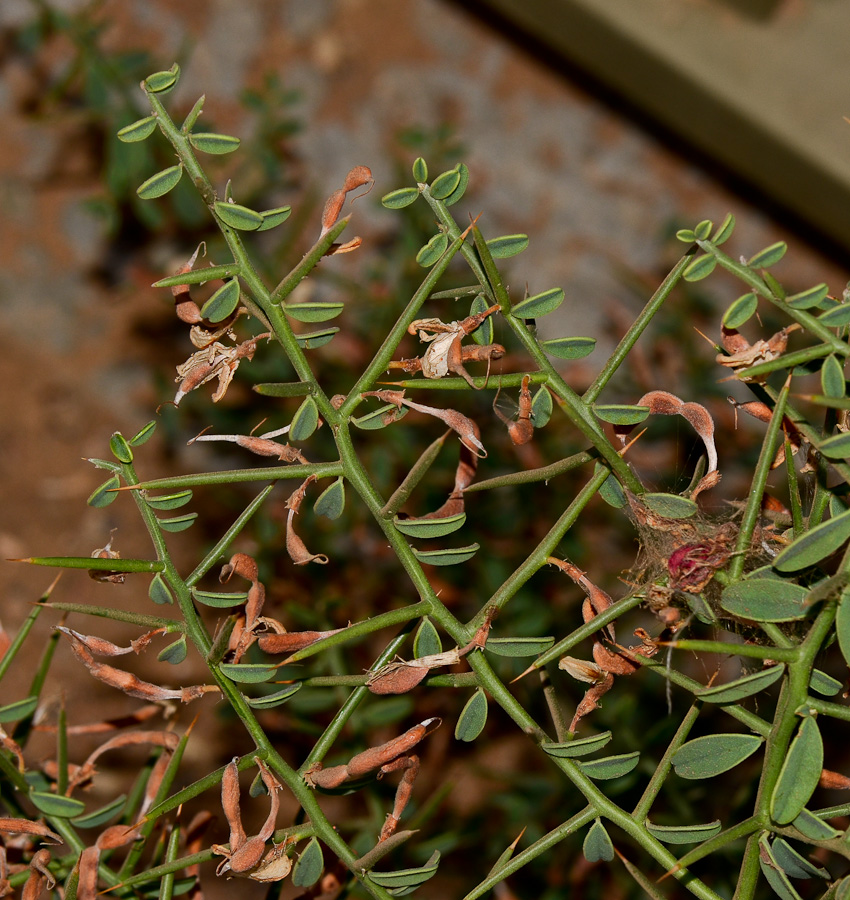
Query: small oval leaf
[(160, 82), (700, 268), (380, 417), (315, 338), (169, 501), (683, 834), (20, 709), (313, 311), (100, 816), (427, 641), (837, 317), (670, 506), (429, 528), (305, 421), (578, 747), (597, 846), (740, 311), (541, 407), (705, 757), (104, 494), (703, 230), (810, 297), (724, 231), (538, 305), (519, 647), (451, 557), (460, 190), (832, 379), (406, 878), (420, 170), (610, 766), (138, 130), (794, 864), (814, 827), (218, 144), (800, 773), (219, 600), (769, 256), (620, 414), (199, 276), (309, 865), (612, 492), (686, 235), (836, 447), (56, 805), (120, 448), (143, 435), (824, 684), (331, 502), (247, 673), (773, 874), (174, 653), (274, 217), (223, 302), (400, 198), (765, 600), (473, 717), (159, 591), (178, 523), (507, 245), (269, 701), (433, 250), (283, 388), (842, 625), (239, 217), (742, 687), (569, 348), (813, 546), (444, 185), (161, 183), (483, 334)]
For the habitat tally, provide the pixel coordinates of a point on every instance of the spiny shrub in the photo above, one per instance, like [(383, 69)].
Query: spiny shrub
[(665, 776)]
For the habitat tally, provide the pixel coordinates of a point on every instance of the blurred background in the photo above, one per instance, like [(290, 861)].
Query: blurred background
[(598, 127)]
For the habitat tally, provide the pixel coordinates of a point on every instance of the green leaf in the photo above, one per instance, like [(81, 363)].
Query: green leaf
[(769, 256), (199, 276), (686, 235), (610, 766), (740, 311), (309, 865), (519, 646), (742, 687), (771, 870), (506, 246), (842, 625), (283, 388), (612, 492), (597, 846), (700, 268), (223, 302), (169, 501), (331, 502), (218, 144), (120, 448), (473, 717), (836, 447), (20, 709), (380, 417), (765, 600), (433, 250), (305, 421), (824, 684), (724, 231), (269, 701), (247, 673), (449, 557), (483, 334), (683, 834), (274, 217), (239, 217), (569, 347), (105, 494), (160, 82), (837, 317), (159, 591), (620, 414), (420, 170), (705, 757), (793, 864), (193, 115), (427, 641), (400, 198), (313, 311), (460, 190), (315, 338), (161, 183), (813, 546), (670, 506), (174, 653), (773, 285), (813, 827), (444, 185), (810, 297), (832, 377), (800, 773), (578, 747), (407, 877), (429, 528), (703, 230), (539, 305), (55, 805), (138, 130), (177, 523), (219, 600), (100, 816), (143, 435), (541, 407)]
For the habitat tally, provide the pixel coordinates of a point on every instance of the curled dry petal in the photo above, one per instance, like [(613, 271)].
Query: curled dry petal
[(168, 740), (295, 547), (292, 641), (239, 564), (26, 826), (667, 404), (357, 177)]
